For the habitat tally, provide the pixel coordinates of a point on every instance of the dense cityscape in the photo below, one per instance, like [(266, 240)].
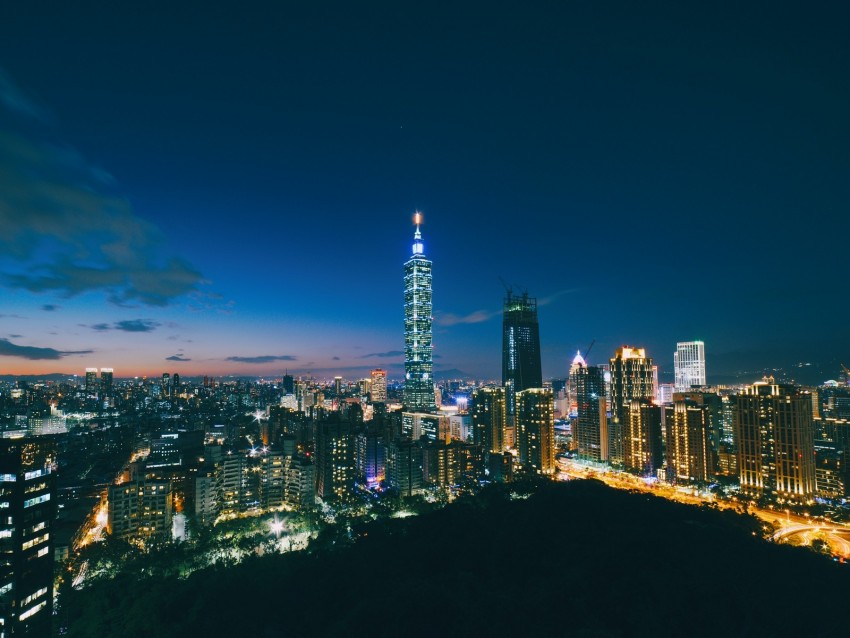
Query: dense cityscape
[(228, 467), (326, 319)]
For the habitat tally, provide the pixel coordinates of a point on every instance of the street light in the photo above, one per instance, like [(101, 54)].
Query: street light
[(277, 526)]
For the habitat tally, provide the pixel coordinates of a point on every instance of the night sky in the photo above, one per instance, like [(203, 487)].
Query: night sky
[(229, 190)]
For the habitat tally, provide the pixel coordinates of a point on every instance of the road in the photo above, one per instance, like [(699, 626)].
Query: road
[(792, 528)]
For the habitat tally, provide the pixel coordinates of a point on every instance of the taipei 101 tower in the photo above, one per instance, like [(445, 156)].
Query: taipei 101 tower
[(418, 362)]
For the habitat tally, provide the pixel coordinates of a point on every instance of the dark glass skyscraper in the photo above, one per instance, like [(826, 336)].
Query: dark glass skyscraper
[(521, 367), (28, 501), (418, 362)]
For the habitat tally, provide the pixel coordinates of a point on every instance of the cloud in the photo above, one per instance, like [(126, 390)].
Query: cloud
[(263, 359), (49, 307), (479, 316), (15, 336), (14, 99), (128, 325), (545, 301), (449, 319), (389, 353), (65, 229), (176, 357), (137, 325), (336, 358), (9, 349)]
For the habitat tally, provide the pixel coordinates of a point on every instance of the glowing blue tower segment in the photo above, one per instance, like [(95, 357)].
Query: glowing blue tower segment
[(418, 362)]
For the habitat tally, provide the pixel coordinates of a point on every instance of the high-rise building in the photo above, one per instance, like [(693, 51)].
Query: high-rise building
[(775, 437), (688, 449), (521, 368), (379, 386), (140, 510), (371, 458), (631, 378), (338, 386), (334, 460), (488, 419), (404, 467), (91, 381), (28, 502), (689, 365), (591, 423), (418, 363), (106, 381), (642, 447), (535, 429)]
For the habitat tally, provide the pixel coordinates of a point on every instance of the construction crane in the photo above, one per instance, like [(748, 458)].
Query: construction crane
[(589, 348), (846, 374)]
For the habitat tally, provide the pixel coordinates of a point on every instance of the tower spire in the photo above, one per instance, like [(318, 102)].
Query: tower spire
[(418, 246)]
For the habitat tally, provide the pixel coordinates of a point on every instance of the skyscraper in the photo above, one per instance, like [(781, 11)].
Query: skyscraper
[(591, 424), (418, 364), (28, 501), (689, 365), (488, 419), (536, 429), (91, 381), (631, 378), (642, 448), (379, 386), (106, 375), (688, 450), (775, 436), (521, 367)]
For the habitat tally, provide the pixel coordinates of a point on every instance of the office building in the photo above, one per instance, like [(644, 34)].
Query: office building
[(418, 363), (689, 365), (521, 367)]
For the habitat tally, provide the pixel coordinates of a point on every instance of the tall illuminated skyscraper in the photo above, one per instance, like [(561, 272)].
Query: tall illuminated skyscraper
[(631, 378), (418, 363), (379, 386), (689, 365), (521, 368), (591, 423), (775, 436)]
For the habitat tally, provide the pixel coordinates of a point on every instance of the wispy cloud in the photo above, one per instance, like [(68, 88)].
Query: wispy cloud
[(176, 357), (33, 353), (128, 325), (49, 307), (383, 355), (263, 359), (69, 231), (479, 316), (545, 301), (16, 101)]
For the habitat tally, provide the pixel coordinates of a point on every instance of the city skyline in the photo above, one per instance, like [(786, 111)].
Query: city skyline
[(243, 208)]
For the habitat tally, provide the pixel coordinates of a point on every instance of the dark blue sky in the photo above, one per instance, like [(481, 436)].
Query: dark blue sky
[(654, 174)]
